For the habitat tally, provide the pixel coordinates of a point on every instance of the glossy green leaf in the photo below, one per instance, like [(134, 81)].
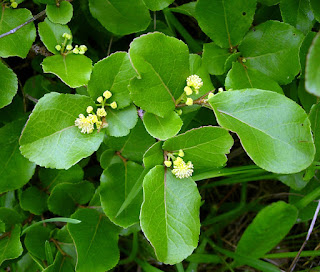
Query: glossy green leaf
[(112, 73), (10, 245), (172, 206), (153, 156), (34, 200), (273, 49), (274, 130), (205, 147), (121, 121), (134, 145), (51, 34), (60, 14), (74, 70), (297, 13), (157, 4), (315, 6), (162, 128), (225, 21), (66, 197), (50, 137), (116, 183), (19, 43), (304, 51), (214, 57), (133, 15), (243, 77), (314, 117), (35, 241), (15, 169), (51, 177), (312, 67), (267, 229), (162, 63), (96, 240), (8, 85)]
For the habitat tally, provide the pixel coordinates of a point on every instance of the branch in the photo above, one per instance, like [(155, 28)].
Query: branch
[(20, 26)]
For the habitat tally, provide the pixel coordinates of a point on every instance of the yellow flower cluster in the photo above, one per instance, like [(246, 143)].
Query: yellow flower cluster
[(194, 83), (66, 47), (14, 4), (181, 169)]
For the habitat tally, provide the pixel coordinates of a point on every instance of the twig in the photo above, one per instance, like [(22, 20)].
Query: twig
[(20, 26), (109, 47), (293, 265)]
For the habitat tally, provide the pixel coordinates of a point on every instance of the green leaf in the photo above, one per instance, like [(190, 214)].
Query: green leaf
[(172, 206), (162, 63), (273, 49), (315, 6), (133, 15), (66, 197), (50, 137), (51, 34), (15, 169), (312, 67), (162, 128), (35, 241), (153, 156), (304, 51), (155, 5), (274, 130), (62, 263), (10, 245), (8, 85), (34, 200), (314, 117), (116, 183), (61, 14), (121, 121), (74, 70), (205, 147), (267, 229), (96, 240), (214, 58), (112, 73), (19, 43), (294, 181), (51, 177), (10, 217), (186, 9), (306, 99), (132, 146), (242, 77), (225, 21), (269, 2), (297, 13)]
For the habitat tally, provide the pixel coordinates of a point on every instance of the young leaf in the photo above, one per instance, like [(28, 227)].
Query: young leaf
[(74, 70), (273, 49), (162, 128), (33, 200), (205, 147), (314, 117), (312, 67), (133, 15), (155, 5), (65, 197), (96, 240), (10, 245), (15, 169), (268, 228), (19, 43), (297, 13), (243, 77), (162, 63), (112, 73), (50, 137), (60, 14), (51, 34), (172, 206), (8, 85), (274, 131), (116, 183), (225, 21)]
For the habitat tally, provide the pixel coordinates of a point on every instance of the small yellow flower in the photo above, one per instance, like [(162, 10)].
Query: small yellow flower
[(107, 94), (181, 169), (220, 90), (82, 49), (58, 47), (89, 109), (84, 123), (69, 47), (194, 81), (210, 95), (14, 4), (101, 112), (181, 153), (167, 163), (178, 161), (93, 118), (114, 105), (100, 99), (188, 90), (66, 36), (189, 101), (75, 50)]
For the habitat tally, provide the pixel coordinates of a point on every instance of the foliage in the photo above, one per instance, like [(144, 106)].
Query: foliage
[(129, 131)]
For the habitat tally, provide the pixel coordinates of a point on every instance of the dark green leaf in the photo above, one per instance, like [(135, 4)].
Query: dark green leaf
[(214, 58), (33, 200), (314, 117), (157, 4), (10, 245), (315, 6), (186, 9), (304, 51), (8, 85), (60, 14), (153, 156)]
